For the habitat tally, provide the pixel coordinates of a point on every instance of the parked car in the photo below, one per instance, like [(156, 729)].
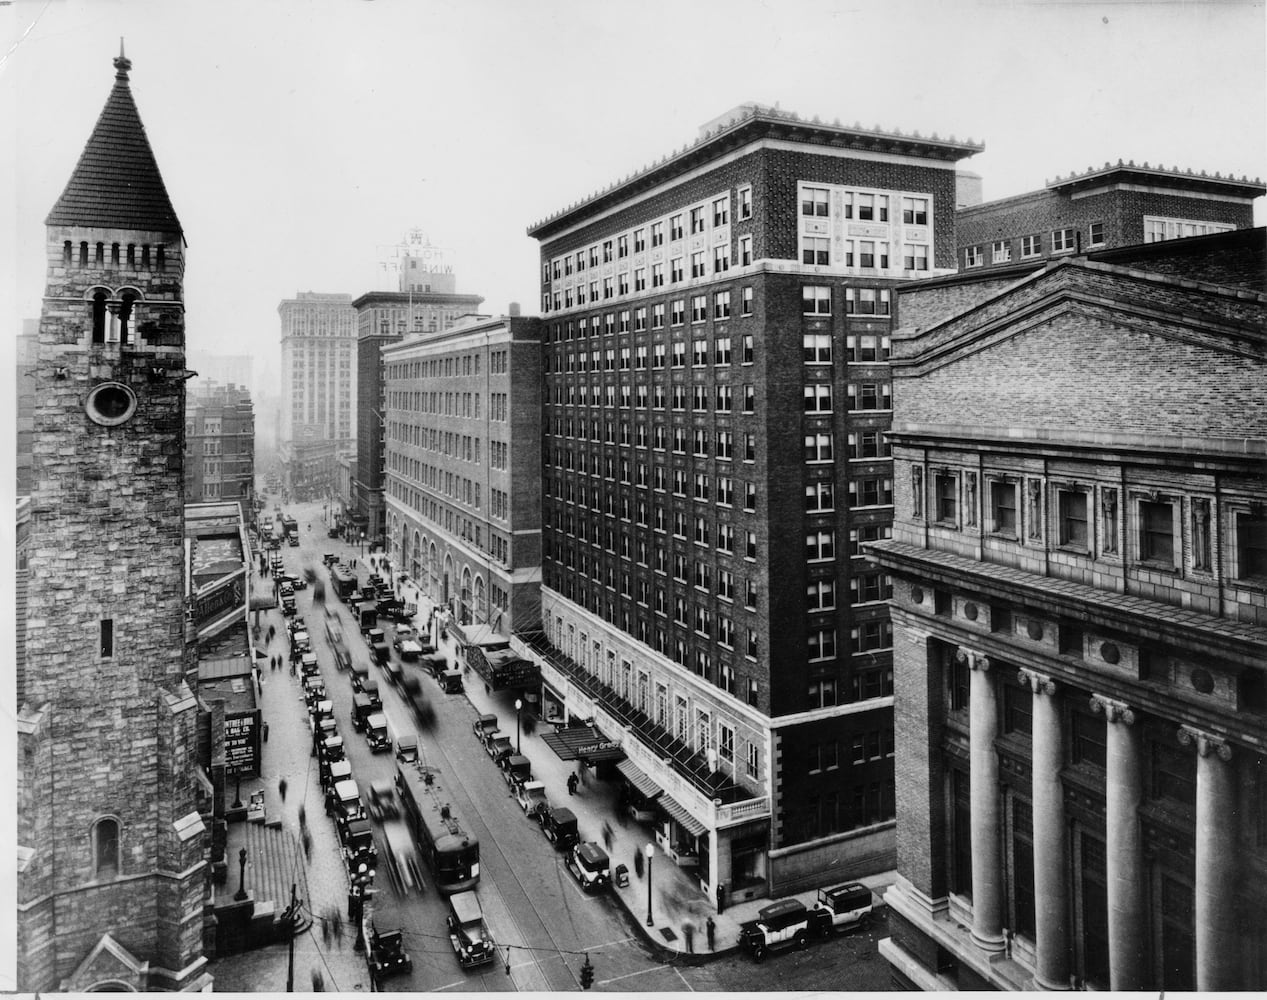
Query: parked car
[(559, 826), (407, 748), (843, 906), (590, 864), (484, 725), (500, 748), (451, 681), (531, 796), (783, 924)]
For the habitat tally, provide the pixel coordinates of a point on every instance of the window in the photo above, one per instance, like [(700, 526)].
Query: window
[(657, 275), (973, 257), (745, 301), (675, 269), (1000, 252), (915, 257), (818, 398), (820, 546), (640, 240), (107, 638), (721, 352), (1156, 532), (1095, 234), (749, 349), (815, 250), (866, 207), (697, 220), (640, 279), (675, 227), (1031, 246), (1018, 709), (622, 246), (726, 742), (699, 308), (820, 595), (752, 765), (1003, 508), (818, 448), (1071, 506), (745, 203), (657, 319), (698, 268), (1157, 229), (105, 843), (814, 202), (607, 251), (677, 312), (721, 306), (947, 488), (914, 211), (822, 644), (657, 234), (819, 496), (1251, 547), (1174, 773), (817, 348), (869, 348), (721, 211), (721, 258), (1088, 738), (1062, 240), (872, 635), (745, 251), (816, 300)]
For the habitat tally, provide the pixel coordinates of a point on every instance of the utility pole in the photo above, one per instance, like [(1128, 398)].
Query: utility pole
[(290, 945)]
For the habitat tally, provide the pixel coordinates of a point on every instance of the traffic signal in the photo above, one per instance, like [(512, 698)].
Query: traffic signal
[(587, 974)]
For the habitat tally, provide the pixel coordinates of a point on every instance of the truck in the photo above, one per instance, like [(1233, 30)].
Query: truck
[(367, 616), (467, 931), (786, 923), (379, 649), (290, 528), (840, 907), (559, 826), (531, 796), (376, 733), (590, 864)]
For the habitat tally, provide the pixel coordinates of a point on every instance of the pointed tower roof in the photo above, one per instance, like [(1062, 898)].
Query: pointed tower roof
[(116, 184)]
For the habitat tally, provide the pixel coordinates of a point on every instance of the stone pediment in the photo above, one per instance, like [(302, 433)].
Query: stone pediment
[(109, 967)]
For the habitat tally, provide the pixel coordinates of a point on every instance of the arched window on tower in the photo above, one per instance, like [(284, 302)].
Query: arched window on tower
[(145, 255), (161, 255), (125, 315), (83, 253), (99, 258), (68, 253), (105, 848), (131, 255), (114, 254), (99, 318)]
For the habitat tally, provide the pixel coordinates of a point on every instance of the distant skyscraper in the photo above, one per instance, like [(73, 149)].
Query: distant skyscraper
[(220, 445), (319, 366)]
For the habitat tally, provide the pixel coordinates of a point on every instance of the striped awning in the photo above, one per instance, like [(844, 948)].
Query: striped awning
[(693, 826), (638, 778)]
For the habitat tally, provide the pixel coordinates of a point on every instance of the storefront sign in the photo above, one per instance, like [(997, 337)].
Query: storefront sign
[(215, 604), (241, 744)]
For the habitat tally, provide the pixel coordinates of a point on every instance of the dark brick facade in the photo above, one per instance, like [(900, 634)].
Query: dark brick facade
[(630, 538)]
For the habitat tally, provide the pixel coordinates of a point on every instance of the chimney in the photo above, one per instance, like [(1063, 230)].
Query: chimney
[(514, 309)]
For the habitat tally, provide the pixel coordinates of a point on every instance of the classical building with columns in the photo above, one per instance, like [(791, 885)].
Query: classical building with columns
[(1079, 557)]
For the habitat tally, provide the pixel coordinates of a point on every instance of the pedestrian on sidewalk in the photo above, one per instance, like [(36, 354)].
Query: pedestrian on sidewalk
[(318, 981), (608, 835), (688, 934), (572, 783), (710, 929), (281, 788)]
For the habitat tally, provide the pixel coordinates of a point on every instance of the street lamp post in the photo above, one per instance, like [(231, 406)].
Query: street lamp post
[(241, 893), (649, 850), (518, 705), (362, 543)]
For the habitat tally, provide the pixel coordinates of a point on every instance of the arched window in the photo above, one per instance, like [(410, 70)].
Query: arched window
[(466, 616), (125, 315), (105, 848), (481, 609), (131, 255), (83, 253), (114, 254), (68, 253), (99, 258), (161, 255), (99, 317)]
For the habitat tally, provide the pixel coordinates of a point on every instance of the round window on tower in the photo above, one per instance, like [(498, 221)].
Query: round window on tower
[(111, 404)]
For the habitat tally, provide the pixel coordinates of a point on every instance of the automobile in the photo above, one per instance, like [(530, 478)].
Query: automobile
[(451, 681), (314, 689), (395, 672), (331, 749), (484, 725), (387, 955), (382, 800), (301, 640), (286, 589), (559, 826), (531, 796), (467, 931), (843, 906), (409, 650), (296, 582), (786, 923), (370, 687), (329, 558), (308, 662), (407, 748), (590, 864), (405, 631), (381, 652), (344, 801), (333, 772), (500, 748), (362, 709), (360, 674), (332, 533), (376, 733), (434, 663), (516, 769), (288, 604)]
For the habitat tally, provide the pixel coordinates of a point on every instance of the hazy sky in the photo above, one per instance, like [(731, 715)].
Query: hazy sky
[(297, 138)]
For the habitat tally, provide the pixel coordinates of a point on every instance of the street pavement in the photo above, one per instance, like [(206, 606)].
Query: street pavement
[(679, 910)]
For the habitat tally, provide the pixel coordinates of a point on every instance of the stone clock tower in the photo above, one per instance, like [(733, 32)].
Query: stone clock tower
[(111, 862)]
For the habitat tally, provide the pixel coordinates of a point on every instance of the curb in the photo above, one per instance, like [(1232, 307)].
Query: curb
[(692, 958)]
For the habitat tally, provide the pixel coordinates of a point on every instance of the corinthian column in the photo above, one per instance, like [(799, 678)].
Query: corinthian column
[(987, 868), (1216, 930), (1123, 791), (1051, 860)]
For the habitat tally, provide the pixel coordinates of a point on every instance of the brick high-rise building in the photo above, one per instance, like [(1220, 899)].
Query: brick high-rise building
[(220, 445), (1115, 205), (111, 873), (383, 318), (716, 396), (319, 368), (1080, 618)]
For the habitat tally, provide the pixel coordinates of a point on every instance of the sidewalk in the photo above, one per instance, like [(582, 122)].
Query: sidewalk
[(676, 899)]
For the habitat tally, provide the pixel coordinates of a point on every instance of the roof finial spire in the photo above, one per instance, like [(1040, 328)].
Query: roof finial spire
[(122, 63)]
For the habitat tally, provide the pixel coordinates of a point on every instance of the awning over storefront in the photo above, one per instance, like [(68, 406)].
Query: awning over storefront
[(648, 788), (584, 743), (693, 826), (263, 603)]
